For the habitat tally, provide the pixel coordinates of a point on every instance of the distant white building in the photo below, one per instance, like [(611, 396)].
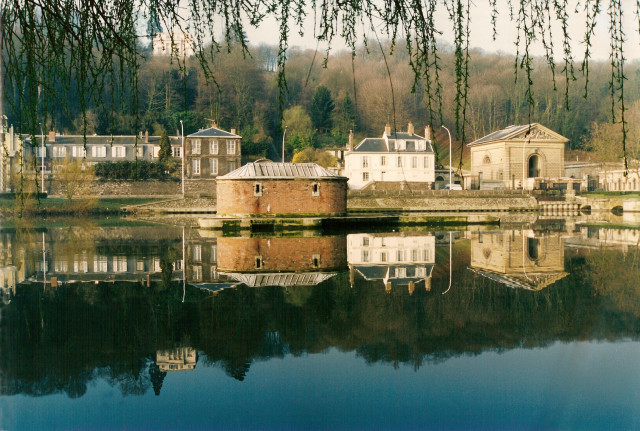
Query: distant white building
[(395, 157), (179, 43)]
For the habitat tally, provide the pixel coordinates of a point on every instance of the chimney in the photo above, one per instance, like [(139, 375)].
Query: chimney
[(146, 136), (410, 128), (233, 131), (387, 130), (427, 132), (427, 284), (350, 140), (52, 136)]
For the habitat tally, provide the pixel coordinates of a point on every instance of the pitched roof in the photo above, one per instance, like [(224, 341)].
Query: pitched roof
[(213, 132), (513, 131), (379, 145), (103, 140), (284, 279), (268, 169), (535, 282)]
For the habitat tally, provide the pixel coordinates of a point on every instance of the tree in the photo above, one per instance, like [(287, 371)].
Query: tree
[(346, 118), (322, 109), (73, 177), (165, 148), (299, 134)]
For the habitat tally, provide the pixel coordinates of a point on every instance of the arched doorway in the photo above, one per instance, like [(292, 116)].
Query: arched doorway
[(534, 166)]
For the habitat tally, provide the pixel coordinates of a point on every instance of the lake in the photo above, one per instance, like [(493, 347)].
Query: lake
[(109, 324)]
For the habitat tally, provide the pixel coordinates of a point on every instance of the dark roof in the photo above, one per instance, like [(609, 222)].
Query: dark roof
[(379, 145), (279, 170), (381, 272), (213, 132), (102, 140), (404, 135)]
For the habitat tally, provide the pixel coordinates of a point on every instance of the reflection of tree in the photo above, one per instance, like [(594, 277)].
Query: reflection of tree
[(60, 340), (156, 377)]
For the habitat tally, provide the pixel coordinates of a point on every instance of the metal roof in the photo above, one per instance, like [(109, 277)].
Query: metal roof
[(213, 132), (522, 281), (279, 170), (284, 279)]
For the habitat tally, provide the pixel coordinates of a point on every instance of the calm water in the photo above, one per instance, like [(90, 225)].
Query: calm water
[(158, 327)]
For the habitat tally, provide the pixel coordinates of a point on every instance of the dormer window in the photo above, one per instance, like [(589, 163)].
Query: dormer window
[(402, 145)]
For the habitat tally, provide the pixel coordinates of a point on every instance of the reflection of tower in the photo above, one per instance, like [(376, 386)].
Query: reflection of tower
[(518, 259), (176, 359), (393, 259), (281, 261)]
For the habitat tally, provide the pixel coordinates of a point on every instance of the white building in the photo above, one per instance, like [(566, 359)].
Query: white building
[(180, 44), (401, 157)]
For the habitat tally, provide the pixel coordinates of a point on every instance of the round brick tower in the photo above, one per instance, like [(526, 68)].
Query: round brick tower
[(268, 189)]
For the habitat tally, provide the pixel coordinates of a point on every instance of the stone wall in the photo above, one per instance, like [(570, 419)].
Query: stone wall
[(438, 200), (282, 196), (97, 188)]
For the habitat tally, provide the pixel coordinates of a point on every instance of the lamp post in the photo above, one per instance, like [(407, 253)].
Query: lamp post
[(182, 153), (42, 159), (283, 135), (449, 133)]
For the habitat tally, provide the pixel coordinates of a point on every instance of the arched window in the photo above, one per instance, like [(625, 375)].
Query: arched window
[(486, 160), (534, 166), (533, 248)]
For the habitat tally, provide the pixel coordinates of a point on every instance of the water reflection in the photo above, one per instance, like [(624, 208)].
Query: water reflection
[(120, 311)]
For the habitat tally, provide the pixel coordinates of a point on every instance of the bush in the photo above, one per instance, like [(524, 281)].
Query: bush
[(134, 170)]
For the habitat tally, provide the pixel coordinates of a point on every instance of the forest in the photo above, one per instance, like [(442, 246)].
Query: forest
[(326, 97)]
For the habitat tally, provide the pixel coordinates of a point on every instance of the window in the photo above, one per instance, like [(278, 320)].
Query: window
[(100, 264), (213, 147), (383, 256), (365, 176), (214, 273), (401, 272), (214, 254), (197, 253), (258, 262), (231, 146), (196, 166), (119, 263), (59, 151), (231, 166), (41, 151), (425, 162), (365, 161), (365, 255), (365, 240), (140, 151), (177, 152), (315, 260), (486, 160), (383, 160), (195, 146), (140, 265), (99, 151), (315, 189), (118, 151), (399, 161), (213, 166), (197, 273), (402, 145), (414, 162), (257, 189), (60, 266), (78, 151), (156, 151), (399, 256), (414, 255), (80, 265)]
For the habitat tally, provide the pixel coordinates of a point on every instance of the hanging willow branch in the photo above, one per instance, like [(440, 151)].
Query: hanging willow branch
[(50, 47)]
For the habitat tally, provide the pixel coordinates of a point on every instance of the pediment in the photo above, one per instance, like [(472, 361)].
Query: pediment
[(538, 133)]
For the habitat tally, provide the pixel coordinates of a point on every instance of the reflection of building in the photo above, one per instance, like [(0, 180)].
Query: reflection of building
[(498, 159), (12, 267), (393, 259), (394, 158), (176, 359), (597, 237), (281, 261), (267, 188), (518, 259)]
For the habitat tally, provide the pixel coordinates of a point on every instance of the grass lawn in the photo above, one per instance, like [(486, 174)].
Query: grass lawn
[(612, 194)]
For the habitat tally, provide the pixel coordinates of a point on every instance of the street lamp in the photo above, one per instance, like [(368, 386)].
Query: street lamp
[(182, 154), (283, 135), (42, 159), (449, 133)]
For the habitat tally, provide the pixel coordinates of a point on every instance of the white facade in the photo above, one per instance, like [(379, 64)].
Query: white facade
[(396, 157), (182, 45)]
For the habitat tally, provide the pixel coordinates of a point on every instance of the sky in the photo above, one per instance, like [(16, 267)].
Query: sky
[(482, 32)]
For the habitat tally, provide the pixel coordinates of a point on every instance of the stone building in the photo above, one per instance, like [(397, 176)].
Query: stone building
[(396, 157), (529, 155), (518, 258), (265, 188), (211, 153), (181, 44), (393, 260)]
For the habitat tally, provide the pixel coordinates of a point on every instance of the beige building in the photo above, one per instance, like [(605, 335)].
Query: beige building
[(177, 359), (530, 155), (518, 258)]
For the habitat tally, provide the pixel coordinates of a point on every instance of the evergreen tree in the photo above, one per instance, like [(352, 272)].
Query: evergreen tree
[(165, 148), (321, 109), (347, 116)]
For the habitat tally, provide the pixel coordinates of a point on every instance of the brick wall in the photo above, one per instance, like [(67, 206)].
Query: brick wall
[(237, 254), (282, 196)]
